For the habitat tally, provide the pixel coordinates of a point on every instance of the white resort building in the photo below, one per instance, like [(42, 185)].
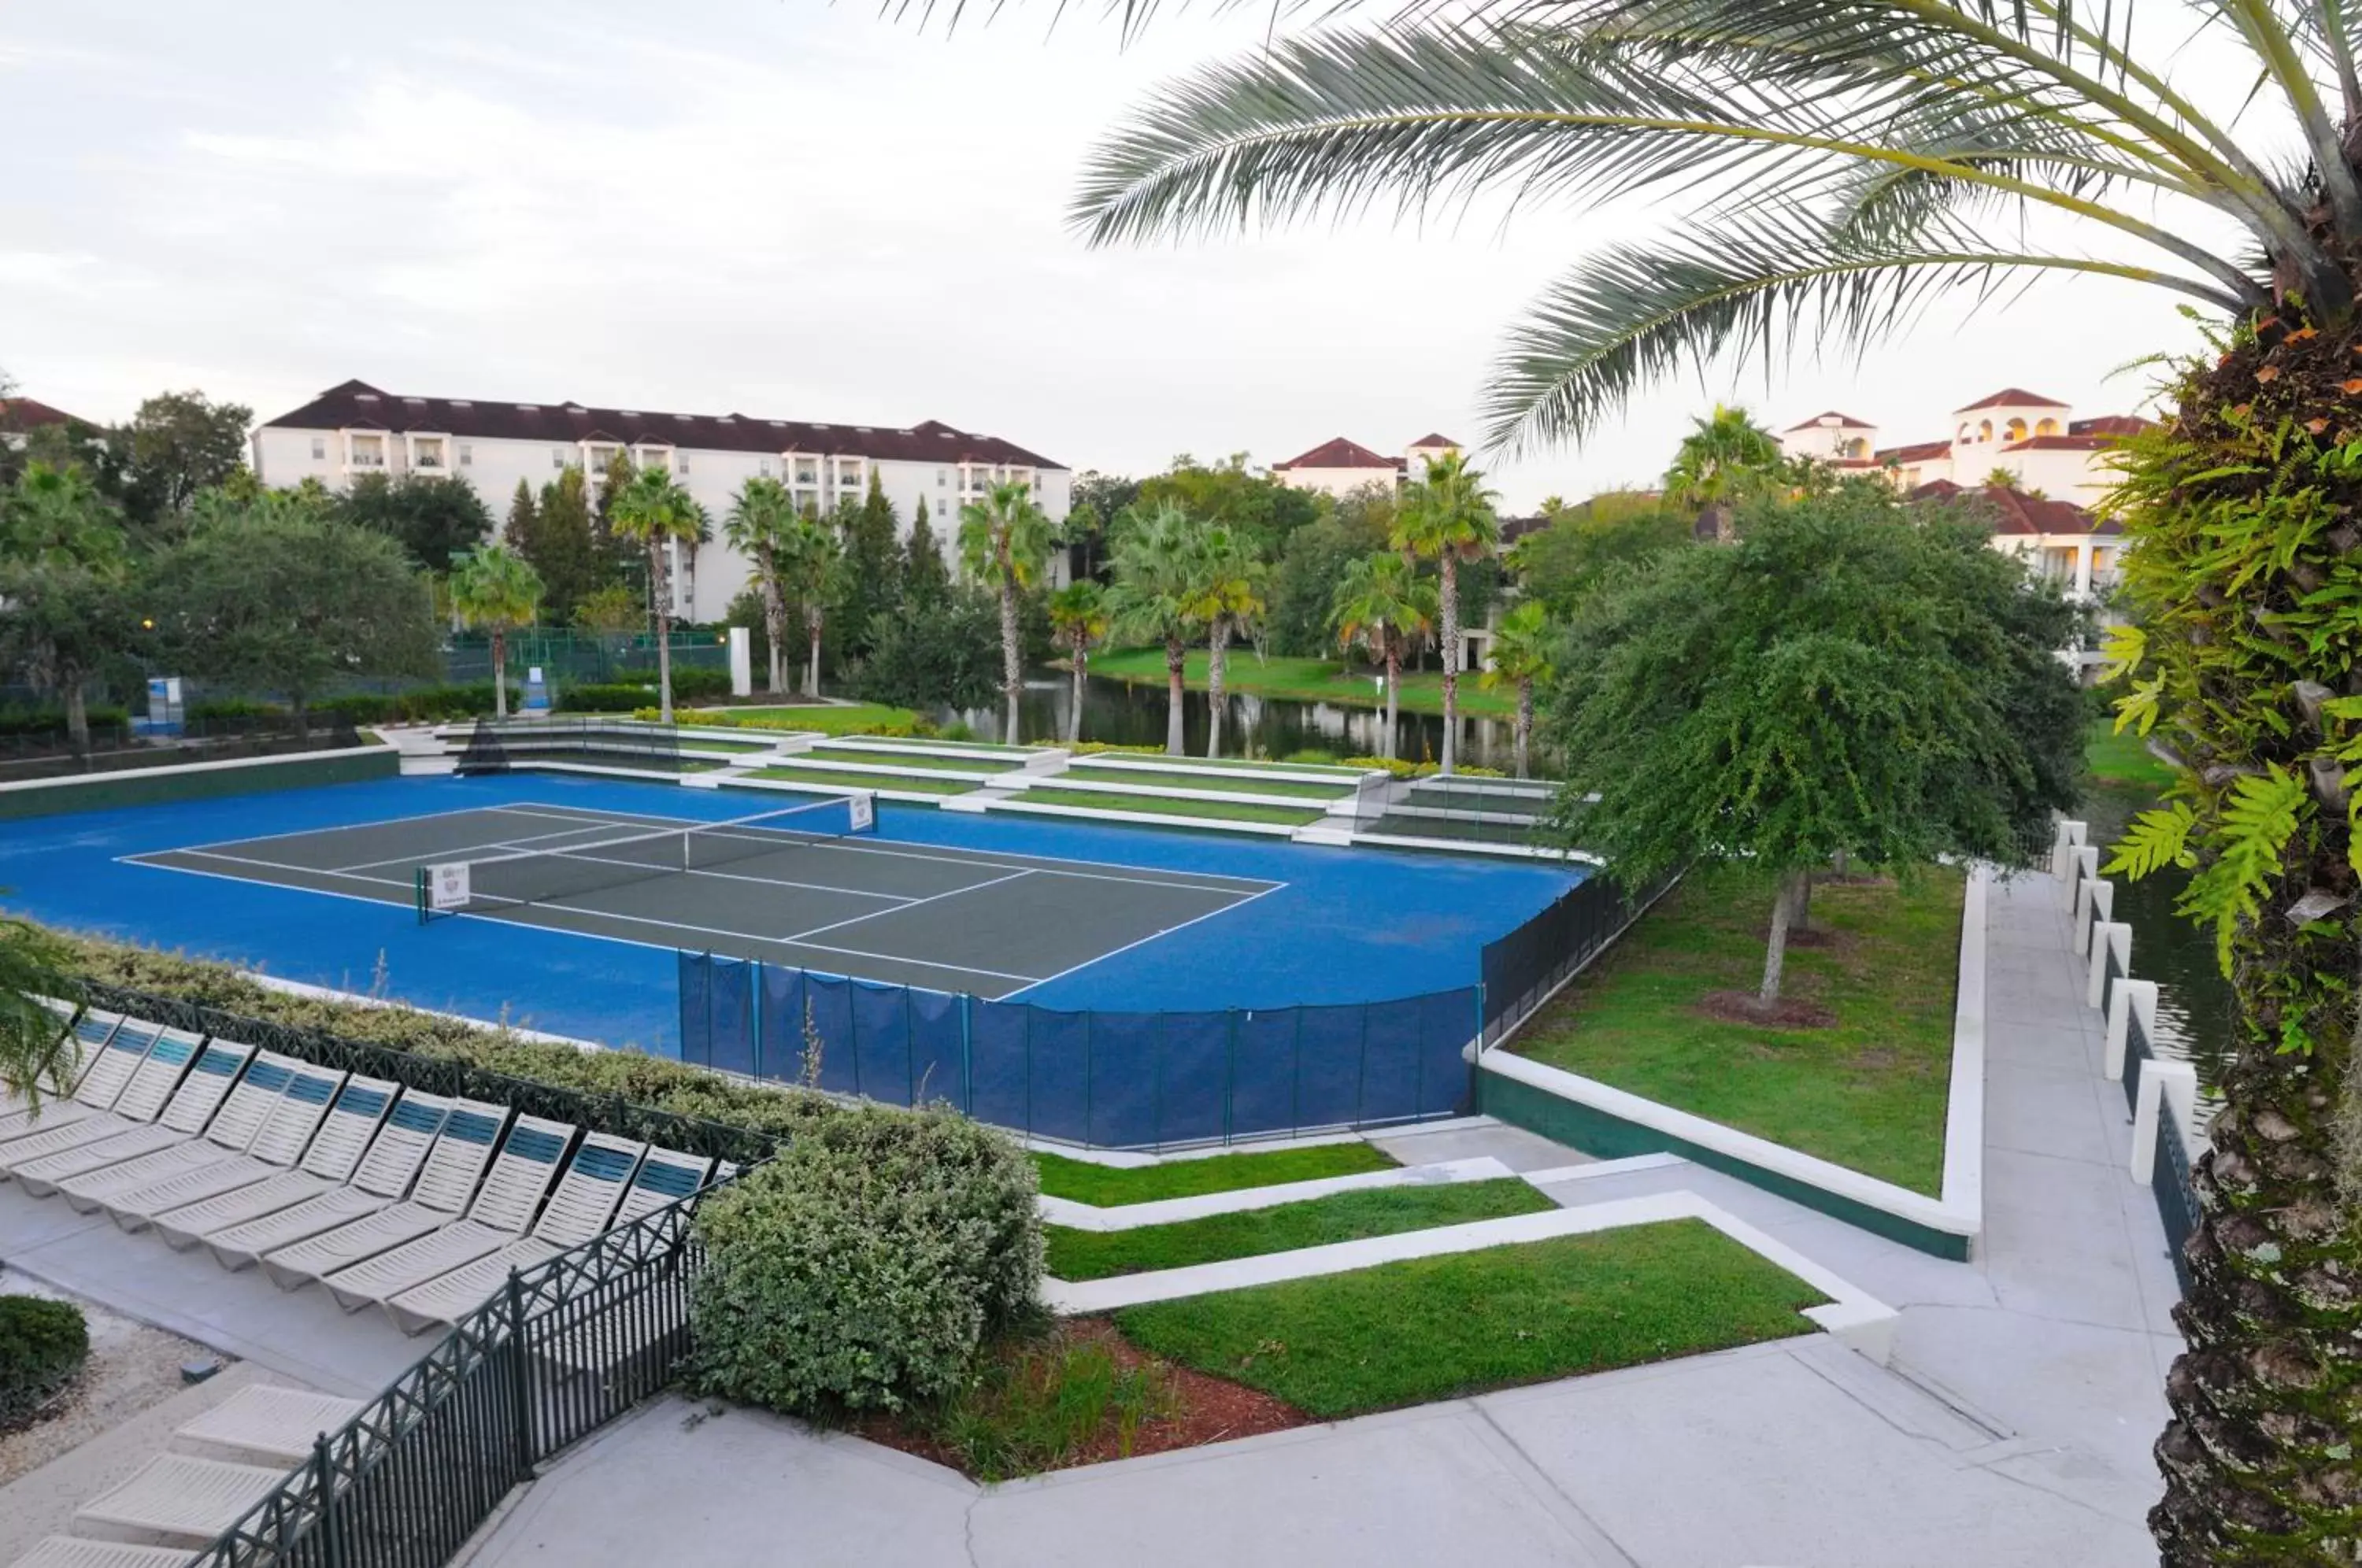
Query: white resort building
[(354, 429), (1341, 466)]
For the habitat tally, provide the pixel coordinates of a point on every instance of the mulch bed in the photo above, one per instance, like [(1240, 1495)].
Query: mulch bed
[(1746, 1007), (1206, 1409)]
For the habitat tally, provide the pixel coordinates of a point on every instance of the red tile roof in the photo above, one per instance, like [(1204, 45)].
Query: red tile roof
[(2062, 444), (358, 406), (1340, 453), (1916, 452), (1844, 420), (2108, 424), (2011, 397), (1433, 439), (24, 412), (2020, 513)]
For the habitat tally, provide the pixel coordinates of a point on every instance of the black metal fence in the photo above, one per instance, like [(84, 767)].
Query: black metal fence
[(567, 656), (441, 1075), (568, 1346), (117, 746), (1524, 967)]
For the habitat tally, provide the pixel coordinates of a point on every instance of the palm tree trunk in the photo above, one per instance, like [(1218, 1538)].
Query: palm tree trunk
[(775, 623), (1775, 951), (812, 665), (663, 613), (1217, 645), (1081, 665), (1175, 657), (1525, 722), (1448, 594), (1012, 674), (499, 673), (1394, 685)]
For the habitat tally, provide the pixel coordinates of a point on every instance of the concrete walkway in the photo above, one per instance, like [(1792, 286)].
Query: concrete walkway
[(2013, 1429)]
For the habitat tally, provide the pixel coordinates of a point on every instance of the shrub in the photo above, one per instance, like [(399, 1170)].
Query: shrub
[(419, 705), (1310, 753), (42, 1345), (865, 1267), (1402, 769), (1092, 748), (18, 719), (593, 698)]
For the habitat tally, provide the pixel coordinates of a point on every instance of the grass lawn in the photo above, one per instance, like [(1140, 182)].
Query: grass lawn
[(2123, 760), (707, 743), (1437, 1328), (1342, 1217), (859, 718), (866, 780), (1088, 775), (907, 759), (1868, 1092), (1303, 680), (1108, 1187), (1174, 806)]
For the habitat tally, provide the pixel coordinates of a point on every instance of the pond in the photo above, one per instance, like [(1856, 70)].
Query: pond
[(1120, 714)]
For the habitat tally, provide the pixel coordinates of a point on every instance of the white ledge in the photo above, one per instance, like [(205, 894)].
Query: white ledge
[(1176, 1211)]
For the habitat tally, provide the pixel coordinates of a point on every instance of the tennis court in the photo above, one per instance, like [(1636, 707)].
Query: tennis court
[(800, 887)]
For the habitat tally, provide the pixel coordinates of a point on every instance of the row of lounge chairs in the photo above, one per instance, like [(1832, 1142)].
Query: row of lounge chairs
[(416, 1203)]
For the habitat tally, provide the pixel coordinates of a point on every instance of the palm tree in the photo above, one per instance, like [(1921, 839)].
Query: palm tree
[(1384, 605), (1005, 542), (654, 511), (1078, 621), (760, 516), (1158, 594), (1522, 659), (496, 590), (810, 556), (1727, 459), (1231, 599), (1830, 166), (33, 965), (1448, 518)]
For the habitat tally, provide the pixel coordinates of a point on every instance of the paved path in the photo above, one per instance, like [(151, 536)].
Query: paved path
[(2013, 1429)]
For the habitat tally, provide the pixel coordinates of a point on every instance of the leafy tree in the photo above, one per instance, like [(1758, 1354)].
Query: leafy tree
[(1447, 517), (948, 657), (494, 589), (1522, 647), (620, 558), (614, 608), (433, 516), (274, 598), (926, 576), (1848, 678), (1558, 565), (1230, 601), (1158, 593), (1304, 584), (177, 445), (1865, 145), (1078, 614), (871, 582), (564, 548), (1385, 607), (653, 511), (34, 1057), (63, 611), (1105, 498), (1231, 493), (1005, 542), (761, 517), (811, 564), (517, 530)]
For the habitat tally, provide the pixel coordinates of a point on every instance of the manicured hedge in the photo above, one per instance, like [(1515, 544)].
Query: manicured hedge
[(42, 1345), (18, 719)]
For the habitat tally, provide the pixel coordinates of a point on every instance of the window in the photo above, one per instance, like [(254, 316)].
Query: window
[(558, 457), (2014, 431), (766, 468), (319, 449), (467, 454), (2046, 428), (680, 463), (940, 479), (1985, 429)]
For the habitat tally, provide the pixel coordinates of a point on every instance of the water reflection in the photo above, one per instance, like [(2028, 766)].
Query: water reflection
[(2195, 1005)]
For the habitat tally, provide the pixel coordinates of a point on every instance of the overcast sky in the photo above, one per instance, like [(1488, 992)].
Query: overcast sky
[(793, 210)]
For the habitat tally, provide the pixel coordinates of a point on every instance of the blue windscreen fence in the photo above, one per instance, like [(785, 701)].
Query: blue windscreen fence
[(1120, 1080)]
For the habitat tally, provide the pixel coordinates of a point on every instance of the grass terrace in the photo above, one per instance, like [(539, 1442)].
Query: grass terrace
[(914, 758), (1083, 773), (851, 719), (1173, 806), (1868, 1090), (1438, 1328), (1341, 1217), (868, 781), (2123, 760), (1110, 1187), (1303, 680)]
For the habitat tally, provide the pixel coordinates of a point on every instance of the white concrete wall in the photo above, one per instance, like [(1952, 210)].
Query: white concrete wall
[(1339, 483)]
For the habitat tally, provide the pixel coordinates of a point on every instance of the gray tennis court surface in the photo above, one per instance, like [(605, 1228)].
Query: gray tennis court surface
[(921, 914)]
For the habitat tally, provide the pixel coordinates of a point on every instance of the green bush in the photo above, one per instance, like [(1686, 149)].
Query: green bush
[(230, 709), (866, 1265), (421, 705), (42, 1345), (1093, 749), (593, 698), (19, 719), (1311, 754), (691, 683), (1402, 769)]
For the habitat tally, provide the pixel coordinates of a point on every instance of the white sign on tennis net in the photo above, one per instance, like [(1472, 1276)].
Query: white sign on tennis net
[(447, 886), (865, 812)]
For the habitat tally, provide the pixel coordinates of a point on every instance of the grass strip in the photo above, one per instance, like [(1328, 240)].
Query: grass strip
[(1174, 806), (2122, 759), (855, 719), (1303, 680), (1108, 1187), (1868, 1092), (866, 780), (1438, 1328), (1088, 775), (1315, 1222), (931, 760)]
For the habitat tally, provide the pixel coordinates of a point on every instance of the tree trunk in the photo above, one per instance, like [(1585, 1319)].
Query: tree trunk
[(1012, 672), (1175, 658), (77, 717), (775, 624), (1216, 665), (499, 673), (299, 708), (1081, 666), (1775, 951), (1525, 722), (1393, 684), (811, 662), (660, 607), (1448, 594), (1804, 921)]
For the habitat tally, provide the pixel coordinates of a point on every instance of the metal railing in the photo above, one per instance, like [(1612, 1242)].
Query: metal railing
[(563, 1349)]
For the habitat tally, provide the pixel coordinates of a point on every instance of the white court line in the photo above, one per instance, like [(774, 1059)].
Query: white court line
[(302, 832), (898, 958), (914, 903), (1152, 936), (735, 877), (300, 870), (440, 850)]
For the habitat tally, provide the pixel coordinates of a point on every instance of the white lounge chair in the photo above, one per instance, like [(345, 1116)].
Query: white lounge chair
[(119, 1046), (74, 1552), (595, 1182), (294, 1118), (199, 1094), (328, 1162), (593, 1347), (229, 1136), (180, 1499), (447, 1183), (519, 1179), (407, 1141), (266, 1423)]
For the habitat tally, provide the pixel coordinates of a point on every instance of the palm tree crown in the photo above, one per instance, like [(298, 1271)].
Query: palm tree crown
[(653, 511), (1005, 542), (495, 589), (760, 517)]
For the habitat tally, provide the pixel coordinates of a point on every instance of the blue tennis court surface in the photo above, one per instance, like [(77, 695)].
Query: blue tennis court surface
[(1322, 926)]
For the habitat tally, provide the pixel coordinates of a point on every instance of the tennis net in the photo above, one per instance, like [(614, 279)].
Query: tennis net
[(491, 884)]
